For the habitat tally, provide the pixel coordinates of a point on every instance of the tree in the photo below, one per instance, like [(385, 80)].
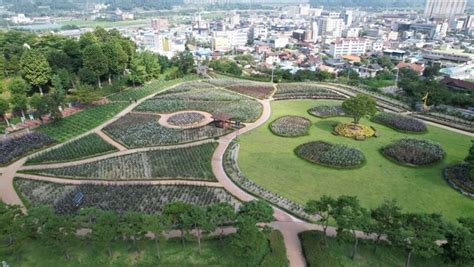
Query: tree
[(116, 58), (174, 211), (386, 220), (196, 219), (359, 106), (19, 103), (151, 63), (249, 242), (84, 94), (418, 235), (53, 101), (132, 227), (95, 60), (467, 222), (322, 208), (87, 76), (35, 220), (459, 246), (156, 225), (4, 107), (35, 68), (39, 105), (470, 161), (259, 210), (138, 73), (106, 230), (184, 61), (59, 232), (12, 235), (219, 214), (349, 216), (18, 86)]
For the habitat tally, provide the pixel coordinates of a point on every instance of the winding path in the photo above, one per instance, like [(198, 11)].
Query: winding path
[(289, 226)]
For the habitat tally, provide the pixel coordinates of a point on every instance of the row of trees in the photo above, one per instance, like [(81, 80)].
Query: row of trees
[(66, 67), (102, 229), (416, 233)]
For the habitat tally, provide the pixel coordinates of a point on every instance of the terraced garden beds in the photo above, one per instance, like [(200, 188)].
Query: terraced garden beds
[(304, 91), (209, 99), (84, 147), (16, 147), (190, 163), (119, 198), (81, 122), (400, 123), (142, 130), (290, 126), (254, 89)]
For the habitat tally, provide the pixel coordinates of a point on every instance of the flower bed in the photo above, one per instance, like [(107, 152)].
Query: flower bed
[(256, 91), (14, 148), (233, 171), (458, 177), (331, 155), (358, 131), (400, 122), (414, 152), (185, 119), (140, 130), (192, 163), (302, 91), (210, 99), (326, 111), (86, 146), (119, 198), (290, 126)]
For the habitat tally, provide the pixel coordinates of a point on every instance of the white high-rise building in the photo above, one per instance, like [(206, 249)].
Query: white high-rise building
[(331, 27), (444, 8), (314, 31), (348, 46)]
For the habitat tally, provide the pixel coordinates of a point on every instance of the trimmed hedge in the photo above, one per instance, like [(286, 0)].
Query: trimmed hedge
[(414, 152), (330, 155), (399, 122), (290, 126)]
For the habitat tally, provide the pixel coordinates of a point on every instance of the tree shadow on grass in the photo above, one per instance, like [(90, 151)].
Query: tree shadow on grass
[(326, 125)]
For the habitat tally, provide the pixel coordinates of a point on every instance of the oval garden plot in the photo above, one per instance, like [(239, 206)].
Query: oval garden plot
[(331, 155), (414, 152), (400, 122), (186, 118), (290, 126), (326, 111)]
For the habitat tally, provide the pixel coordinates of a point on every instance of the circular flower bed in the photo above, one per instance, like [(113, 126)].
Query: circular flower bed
[(331, 155), (400, 122), (289, 126), (354, 130), (458, 177), (414, 152), (184, 119), (326, 111)]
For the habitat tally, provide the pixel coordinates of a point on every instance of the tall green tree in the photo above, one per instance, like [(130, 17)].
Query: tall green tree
[(19, 103), (156, 225), (12, 234), (259, 210), (350, 217), (4, 107), (249, 241), (35, 68), (59, 233), (359, 106), (184, 61), (322, 208), (132, 227), (459, 246), (386, 220), (18, 86), (196, 219), (95, 60), (106, 230), (117, 59), (220, 214), (174, 211)]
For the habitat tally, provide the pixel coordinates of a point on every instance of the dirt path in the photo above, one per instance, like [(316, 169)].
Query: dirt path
[(111, 141), (171, 181)]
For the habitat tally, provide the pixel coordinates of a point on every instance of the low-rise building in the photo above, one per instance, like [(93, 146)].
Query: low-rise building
[(348, 46)]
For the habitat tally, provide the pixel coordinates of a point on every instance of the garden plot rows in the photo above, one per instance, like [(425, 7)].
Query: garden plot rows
[(400, 123), (81, 122), (414, 152), (141, 130), (304, 91), (193, 163), (254, 89), (290, 126), (84, 147), (331, 155), (118, 198), (14, 148), (208, 99)]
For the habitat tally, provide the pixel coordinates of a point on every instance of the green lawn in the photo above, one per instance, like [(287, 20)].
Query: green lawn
[(214, 253), (270, 161), (82, 121), (337, 254)]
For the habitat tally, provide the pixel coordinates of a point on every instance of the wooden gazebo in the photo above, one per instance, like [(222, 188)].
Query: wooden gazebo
[(222, 120)]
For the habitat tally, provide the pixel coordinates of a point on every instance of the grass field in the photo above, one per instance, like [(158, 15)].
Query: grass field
[(337, 254), (270, 161), (214, 253), (81, 122)]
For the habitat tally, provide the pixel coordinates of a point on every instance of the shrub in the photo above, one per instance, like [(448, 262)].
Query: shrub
[(414, 152), (86, 146), (458, 177), (400, 122), (184, 119), (119, 198), (13, 148), (353, 130), (325, 111), (331, 155), (289, 126)]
